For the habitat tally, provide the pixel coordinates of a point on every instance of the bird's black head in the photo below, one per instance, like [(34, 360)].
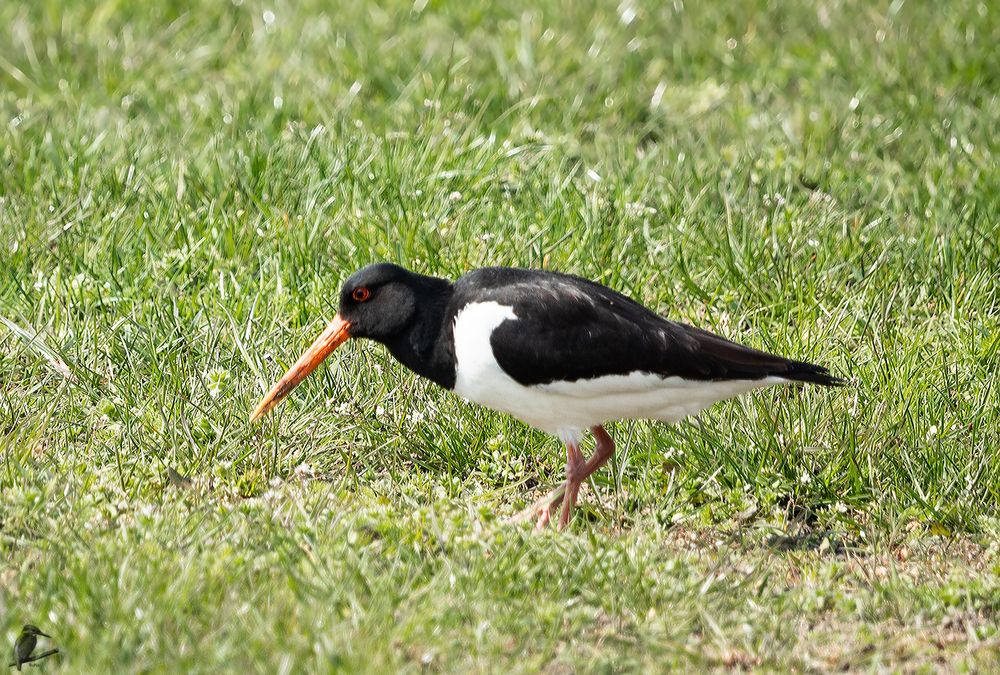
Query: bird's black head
[(379, 301), (28, 629), (383, 302)]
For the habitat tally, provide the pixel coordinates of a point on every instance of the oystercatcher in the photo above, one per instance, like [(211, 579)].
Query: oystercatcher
[(558, 352)]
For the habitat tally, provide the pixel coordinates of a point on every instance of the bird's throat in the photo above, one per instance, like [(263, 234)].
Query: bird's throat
[(426, 345)]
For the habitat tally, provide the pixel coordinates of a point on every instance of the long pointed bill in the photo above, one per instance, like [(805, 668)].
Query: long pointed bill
[(332, 337)]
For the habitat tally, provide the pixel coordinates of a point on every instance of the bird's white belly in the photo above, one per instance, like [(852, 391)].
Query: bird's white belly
[(566, 407)]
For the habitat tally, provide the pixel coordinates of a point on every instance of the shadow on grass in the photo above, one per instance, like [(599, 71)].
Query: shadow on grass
[(822, 540)]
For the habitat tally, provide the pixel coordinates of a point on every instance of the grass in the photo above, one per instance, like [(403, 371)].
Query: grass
[(183, 187)]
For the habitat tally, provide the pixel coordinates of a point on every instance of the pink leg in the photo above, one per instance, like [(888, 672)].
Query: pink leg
[(577, 471), (575, 466), (602, 453)]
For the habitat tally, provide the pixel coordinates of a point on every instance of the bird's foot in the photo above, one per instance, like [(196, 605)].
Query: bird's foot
[(544, 516), (541, 509), (577, 471), (569, 501)]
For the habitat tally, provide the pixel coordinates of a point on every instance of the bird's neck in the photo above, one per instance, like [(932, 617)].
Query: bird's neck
[(426, 347)]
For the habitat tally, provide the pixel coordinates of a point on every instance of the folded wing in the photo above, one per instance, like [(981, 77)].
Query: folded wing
[(570, 329)]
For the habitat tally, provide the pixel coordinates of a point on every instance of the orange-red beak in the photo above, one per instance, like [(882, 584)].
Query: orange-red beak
[(332, 337)]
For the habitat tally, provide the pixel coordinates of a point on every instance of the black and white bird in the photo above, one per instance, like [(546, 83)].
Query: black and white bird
[(558, 352)]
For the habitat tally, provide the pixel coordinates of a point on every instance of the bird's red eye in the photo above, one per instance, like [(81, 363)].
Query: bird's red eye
[(361, 294)]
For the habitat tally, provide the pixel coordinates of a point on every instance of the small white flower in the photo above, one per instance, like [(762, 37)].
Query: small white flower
[(638, 209), (215, 380)]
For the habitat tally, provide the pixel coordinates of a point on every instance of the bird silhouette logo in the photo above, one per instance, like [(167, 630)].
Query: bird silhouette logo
[(24, 646)]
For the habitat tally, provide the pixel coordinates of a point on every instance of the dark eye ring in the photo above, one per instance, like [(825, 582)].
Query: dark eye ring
[(361, 294)]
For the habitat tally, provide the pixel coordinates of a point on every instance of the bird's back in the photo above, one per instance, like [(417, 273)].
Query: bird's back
[(568, 328)]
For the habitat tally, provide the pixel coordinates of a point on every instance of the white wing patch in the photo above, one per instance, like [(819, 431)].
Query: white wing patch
[(476, 369)]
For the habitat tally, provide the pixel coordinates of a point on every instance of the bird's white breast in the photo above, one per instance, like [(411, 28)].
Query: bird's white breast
[(564, 408), (478, 376)]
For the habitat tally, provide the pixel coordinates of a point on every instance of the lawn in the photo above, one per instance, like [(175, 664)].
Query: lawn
[(184, 186)]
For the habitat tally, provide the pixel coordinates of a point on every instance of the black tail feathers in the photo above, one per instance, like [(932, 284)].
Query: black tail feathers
[(800, 371)]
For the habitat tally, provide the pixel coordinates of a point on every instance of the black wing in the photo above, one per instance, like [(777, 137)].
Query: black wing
[(570, 328)]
